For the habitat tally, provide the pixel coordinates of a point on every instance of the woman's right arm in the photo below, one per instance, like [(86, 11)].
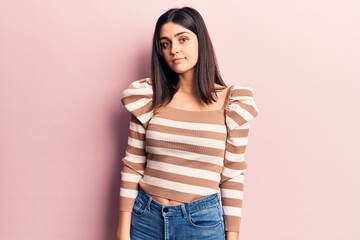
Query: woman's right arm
[(137, 100), (131, 173), (123, 231)]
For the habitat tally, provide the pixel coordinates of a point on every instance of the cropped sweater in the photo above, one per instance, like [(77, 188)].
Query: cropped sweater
[(185, 155)]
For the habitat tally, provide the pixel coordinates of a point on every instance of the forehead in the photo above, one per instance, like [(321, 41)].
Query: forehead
[(170, 29)]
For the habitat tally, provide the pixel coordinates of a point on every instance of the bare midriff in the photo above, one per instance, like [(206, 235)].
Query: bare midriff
[(166, 201)]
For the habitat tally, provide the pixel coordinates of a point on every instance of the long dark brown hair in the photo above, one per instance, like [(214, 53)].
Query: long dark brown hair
[(165, 82)]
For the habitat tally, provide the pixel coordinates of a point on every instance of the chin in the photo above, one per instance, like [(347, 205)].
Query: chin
[(181, 70)]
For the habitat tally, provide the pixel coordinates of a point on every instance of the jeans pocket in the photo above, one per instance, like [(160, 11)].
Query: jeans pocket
[(206, 218), (139, 208)]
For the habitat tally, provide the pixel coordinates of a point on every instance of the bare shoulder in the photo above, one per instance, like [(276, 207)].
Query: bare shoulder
[(218, 86), (221, 90)]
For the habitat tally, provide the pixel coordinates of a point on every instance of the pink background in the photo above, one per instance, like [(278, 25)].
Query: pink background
[(64, 64)]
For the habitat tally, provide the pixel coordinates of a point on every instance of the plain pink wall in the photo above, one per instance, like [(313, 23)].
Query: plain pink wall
[(64, 64)]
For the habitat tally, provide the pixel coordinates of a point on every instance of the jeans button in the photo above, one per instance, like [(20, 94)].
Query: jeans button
[(165, 209)]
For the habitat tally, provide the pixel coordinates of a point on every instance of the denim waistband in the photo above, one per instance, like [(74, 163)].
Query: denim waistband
[(202, 203)]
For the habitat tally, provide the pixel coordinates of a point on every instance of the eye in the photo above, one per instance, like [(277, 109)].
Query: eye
[(165, 44), (184, 39)]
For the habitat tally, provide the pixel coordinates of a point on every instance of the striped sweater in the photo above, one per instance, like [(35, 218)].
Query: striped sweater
[(185, 155)]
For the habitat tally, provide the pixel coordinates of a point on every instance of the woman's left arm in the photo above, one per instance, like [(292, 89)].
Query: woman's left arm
[(240, 110)]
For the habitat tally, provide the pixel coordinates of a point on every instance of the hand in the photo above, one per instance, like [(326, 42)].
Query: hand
[(123, 231), (232, 235), (125, 237)]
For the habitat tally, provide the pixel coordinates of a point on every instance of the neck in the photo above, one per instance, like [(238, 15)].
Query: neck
[(187, 82)]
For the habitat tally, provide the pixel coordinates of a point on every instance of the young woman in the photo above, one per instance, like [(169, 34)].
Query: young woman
[(183, 172)]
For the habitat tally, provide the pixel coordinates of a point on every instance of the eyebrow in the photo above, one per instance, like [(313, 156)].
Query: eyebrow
[(177, 34)]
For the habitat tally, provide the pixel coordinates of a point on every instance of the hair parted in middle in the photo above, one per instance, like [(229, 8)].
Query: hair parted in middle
[(165, 82)]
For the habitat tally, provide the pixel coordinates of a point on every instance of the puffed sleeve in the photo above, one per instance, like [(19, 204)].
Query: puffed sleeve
[(240, 110), (137, 99)]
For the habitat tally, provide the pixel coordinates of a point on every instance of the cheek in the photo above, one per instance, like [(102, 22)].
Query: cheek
[(166, 56), (194, 55), (193, 51)]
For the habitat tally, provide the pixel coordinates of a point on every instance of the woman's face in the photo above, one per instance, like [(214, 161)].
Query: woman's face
[(179, 46)]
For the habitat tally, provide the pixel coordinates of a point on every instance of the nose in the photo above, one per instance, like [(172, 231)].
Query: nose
[(175, 48)]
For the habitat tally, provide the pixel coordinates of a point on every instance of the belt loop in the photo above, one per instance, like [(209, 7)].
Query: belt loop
[(149, 202), (183, 209)]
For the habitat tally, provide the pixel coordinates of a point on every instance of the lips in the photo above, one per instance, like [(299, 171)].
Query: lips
[(177, 59)]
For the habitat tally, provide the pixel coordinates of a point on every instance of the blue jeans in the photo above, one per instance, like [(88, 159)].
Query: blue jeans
[(200, 219)]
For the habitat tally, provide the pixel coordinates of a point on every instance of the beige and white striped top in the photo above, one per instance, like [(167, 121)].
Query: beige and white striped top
[(185, 155)]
